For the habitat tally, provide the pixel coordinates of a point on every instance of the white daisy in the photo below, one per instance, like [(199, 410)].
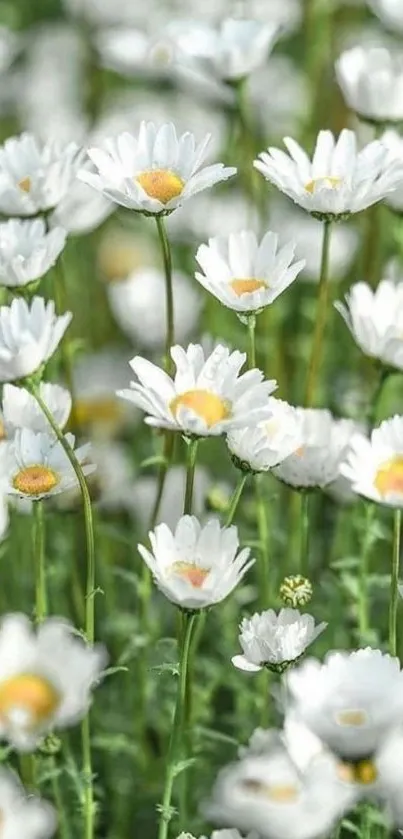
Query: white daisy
[(351, 701), (375, 466), (139, 306), (339, 180), (208, 396), (35, 178), (82, 210), (97, 408), (275, 641), (23, 814), (154, 172), (46, 676), (27, 251), (390, 12), (394, 143), (325, 441), (246, 275), (200, 220), (374, 318), (21, 410), (144, 492), (35, 466), (195, 565), (259, 448), (372, 83), (29, 334)]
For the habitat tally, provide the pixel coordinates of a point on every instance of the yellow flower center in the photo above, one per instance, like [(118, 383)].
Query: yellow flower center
[(279, 793), (363, 772), (34, 480), (352, 717), (207, 405), (329, 182), (25, 184), (389, 477), (30, 693), (247, 286), (190, 572), (106, 411), (161, 184)]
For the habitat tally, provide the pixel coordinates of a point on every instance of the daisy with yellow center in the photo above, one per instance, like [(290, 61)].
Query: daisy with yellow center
[(208, 406), (35, 480), (374, 466), (29, 695), (161, 184)]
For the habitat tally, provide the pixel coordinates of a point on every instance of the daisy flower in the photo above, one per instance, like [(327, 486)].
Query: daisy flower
[(208, 396), (46, 677), (394, 143), (97, 408), (29, 334), (82, 210), (339, 180), (196, 565), (246, 275), (372, 83), (374, 466), (35, 177), (275, 641), (35, 466), (27, 251), (374, 319), (21, 410), (259, 448), (154, 172), (23, 814)]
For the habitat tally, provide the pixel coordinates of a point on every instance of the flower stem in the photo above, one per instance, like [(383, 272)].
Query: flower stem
[(169, 297), (264, 582), (376, 397), (321, 313), (39, 560), (394, 583), (190, 474), (304, 535), (236, 498), (177, 726), (363, 604), (252, 341), (60, 292)]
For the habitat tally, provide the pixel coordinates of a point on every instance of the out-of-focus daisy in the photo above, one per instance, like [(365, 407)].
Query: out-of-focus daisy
[(374, 319), (259, 448), (23, 814), (34, 177), (144, 492), (200, 220), (375, 466), (154, 172), (325, 441), (244, 274), (394, 143), (132, 51), (29, 335), (97, 408), (46, 676), (197, 565), (372, 83), (275, 640), (98, 13), (111, 482), (390, 12), (27, 251), (339, 180), (35, 466), (82, 210), (21, 410), (139, 306), (10, 43), (208, 396), (121, 252), (351, 701), (286, 108)]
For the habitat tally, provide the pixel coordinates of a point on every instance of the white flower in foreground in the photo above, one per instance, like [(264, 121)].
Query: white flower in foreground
[(246, 275), (372, 83), (390, 12), (46, 676), (394, 143), (374, 318), (275, 641), (139, 306), (351, 702), (35, 177), (339, 180), (142, 497), (196, 565), (324, 443), (154, 172), (97, 408), (29, 335), (35, 466), (207, 396), (22, 814), (21, 410), (375, 466), (27, 251), (262, 446)]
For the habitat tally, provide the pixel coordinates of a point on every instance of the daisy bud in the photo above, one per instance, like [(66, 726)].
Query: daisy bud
[(296, 591)]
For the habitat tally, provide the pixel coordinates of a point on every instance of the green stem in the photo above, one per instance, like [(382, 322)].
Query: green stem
[(394, 595), (321, 313), (252, 341), (376, 398), (27, 764), (169, 297), (64, 829), (304, 535), (177, 726), (190, 474), (60, 293), (363, 604), (39, 560), (236, 498), (264, 578)]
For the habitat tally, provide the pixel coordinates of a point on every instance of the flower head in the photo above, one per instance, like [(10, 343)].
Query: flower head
[(23, 814), (275, 641), (208, 396), (195, 565), (296, 590), (154, 172), (338, 180), (29, 335), (374, 320), (372, 83), (46, 676), (27, 251), (21, 410), (375, 466), (246, 275), (260, 447)]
